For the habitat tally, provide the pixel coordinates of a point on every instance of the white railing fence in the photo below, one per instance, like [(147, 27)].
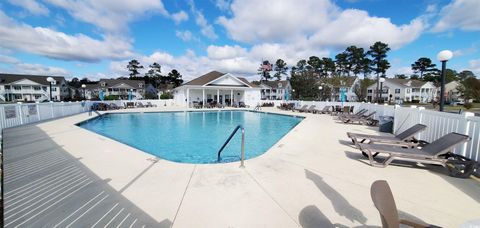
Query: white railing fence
[(12, 115), (440, 124)]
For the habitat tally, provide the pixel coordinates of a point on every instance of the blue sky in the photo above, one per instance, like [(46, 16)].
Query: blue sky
[(96, 38)]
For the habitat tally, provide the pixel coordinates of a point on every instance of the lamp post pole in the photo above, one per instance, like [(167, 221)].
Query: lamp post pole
[(50, 80), (380, 99), (84, 92), (320, 93), (443, 56)]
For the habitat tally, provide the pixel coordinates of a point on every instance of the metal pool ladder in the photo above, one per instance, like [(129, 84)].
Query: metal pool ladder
[(242, 159)]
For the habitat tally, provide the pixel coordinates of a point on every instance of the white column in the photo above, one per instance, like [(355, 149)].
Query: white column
[(231, 97), (188, 98), (218, 96), (203, 98)]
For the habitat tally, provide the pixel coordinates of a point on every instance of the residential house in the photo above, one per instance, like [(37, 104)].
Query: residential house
[(451, 92), (32, 88), (274, 90), (404, 90), (117, 88), (223, 88), (339, 84)]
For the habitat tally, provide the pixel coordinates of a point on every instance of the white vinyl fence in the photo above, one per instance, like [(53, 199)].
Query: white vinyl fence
[(439, 124), (12, 115)]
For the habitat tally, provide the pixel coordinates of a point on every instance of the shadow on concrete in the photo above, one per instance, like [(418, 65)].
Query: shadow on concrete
[(469, 186), (347, 143), (312, 217), (339, 203), (44, 185)]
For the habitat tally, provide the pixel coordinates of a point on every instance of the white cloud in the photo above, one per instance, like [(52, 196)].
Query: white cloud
[(205, 28), (225, 52), (111, 16), (179, 17), (31, 6), (474, 66), (58, 45), (315, 23), (18, 67), (462, 14), (223, 5), (184, 35)]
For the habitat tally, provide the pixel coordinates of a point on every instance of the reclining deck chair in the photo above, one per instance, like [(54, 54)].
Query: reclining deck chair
[(437, 152)]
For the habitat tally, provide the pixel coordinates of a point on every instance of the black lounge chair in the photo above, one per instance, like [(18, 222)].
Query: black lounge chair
[(383, 200), (358, 114), (302, 109), (364, 119), (406, 137), (311, 109), (325, 110), (437, 152)]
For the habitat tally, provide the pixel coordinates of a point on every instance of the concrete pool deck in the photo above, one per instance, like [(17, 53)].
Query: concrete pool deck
[(312, 177)]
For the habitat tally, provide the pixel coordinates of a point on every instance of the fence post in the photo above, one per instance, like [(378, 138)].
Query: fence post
[(37, 105), (419, 112), (464, 128), (62, 108), (20, 112), (51, 109)]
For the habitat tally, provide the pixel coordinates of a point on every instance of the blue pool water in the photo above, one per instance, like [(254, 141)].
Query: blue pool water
[(194, 137)]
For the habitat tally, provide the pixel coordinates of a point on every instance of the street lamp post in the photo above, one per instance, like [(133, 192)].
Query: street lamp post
[(320, 93), (50, 80), (382, 80), (84, 94), (443, 57)]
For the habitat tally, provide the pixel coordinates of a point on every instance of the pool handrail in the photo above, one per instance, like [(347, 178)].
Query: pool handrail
[(243, 145)]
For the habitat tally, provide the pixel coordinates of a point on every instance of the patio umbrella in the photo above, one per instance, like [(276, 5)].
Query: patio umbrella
[(101, 95), (286, 95), (342, 95)]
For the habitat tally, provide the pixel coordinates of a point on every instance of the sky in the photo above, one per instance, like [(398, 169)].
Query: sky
[(97, 38)]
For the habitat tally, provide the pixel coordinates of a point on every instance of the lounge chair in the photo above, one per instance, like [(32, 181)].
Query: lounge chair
[(149, 104), (406, 137), (140, 105), (383, 200), (358, 114), (303, 108), (325, 110), (364, 119), (241, 104), (437, 152), (130, 105), (311, 109)]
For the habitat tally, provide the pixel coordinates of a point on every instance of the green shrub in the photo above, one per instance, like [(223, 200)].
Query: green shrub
[(468, 105), (166, 96)]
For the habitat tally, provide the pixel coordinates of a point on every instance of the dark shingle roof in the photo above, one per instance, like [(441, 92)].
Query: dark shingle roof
[(206, 78), (272, 84), (40, 79), (114, 82)]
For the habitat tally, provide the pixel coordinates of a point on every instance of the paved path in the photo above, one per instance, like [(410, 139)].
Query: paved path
[(47, 187)]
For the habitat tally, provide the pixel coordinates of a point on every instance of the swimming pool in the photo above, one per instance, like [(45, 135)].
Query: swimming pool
[(194, 137)]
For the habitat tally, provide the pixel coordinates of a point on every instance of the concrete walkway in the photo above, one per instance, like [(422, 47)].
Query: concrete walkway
[(313, 177)]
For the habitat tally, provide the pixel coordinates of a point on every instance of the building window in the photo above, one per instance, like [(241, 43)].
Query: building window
[(369, 91), (17, 88), (36, 88), (17, 96), (397, 98), (279, 85), (37, 96), (140, 85), (54, 89), (7, 87), (397, 90), (102, 84), (44, 88), (26, 87)]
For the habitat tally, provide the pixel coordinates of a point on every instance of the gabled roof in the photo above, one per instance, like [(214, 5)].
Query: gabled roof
[(406, 82), (212, 76), (206, 78), (273, 84), (40, 79), (116, 82)]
